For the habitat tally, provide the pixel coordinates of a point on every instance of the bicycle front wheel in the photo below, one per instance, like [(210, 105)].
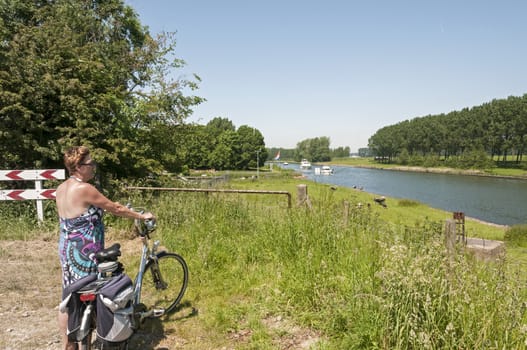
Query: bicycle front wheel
[(164, 282)]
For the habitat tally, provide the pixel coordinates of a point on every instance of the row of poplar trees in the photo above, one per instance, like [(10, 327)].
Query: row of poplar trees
[(87, 72), (497, 129)]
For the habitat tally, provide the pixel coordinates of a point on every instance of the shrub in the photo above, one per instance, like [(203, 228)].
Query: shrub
[(408, 203), (517, 235)]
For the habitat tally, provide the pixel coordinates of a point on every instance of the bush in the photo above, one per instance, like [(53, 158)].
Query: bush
[(408, 203), (404, 157), (517, 235)]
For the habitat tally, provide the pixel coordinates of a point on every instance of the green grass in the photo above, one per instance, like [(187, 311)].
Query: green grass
[(18, 220), (358, 275), (365, 282)]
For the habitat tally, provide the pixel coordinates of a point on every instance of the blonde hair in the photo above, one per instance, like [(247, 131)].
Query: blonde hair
[(74, 157)]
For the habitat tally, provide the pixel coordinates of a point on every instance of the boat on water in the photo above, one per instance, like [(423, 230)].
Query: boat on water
[(326, 170), (286, 163), (305, 164)]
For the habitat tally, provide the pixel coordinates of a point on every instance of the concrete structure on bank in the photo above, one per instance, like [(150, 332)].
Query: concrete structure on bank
[(485, 249)]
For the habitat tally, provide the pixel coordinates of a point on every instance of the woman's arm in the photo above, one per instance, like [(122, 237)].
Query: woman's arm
[(94, 197)]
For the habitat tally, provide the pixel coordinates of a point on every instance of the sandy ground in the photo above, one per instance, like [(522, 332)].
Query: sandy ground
[(30, 293)]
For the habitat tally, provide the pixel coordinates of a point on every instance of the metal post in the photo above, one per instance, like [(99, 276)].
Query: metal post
[(40, 209), (258, 164), (211, 190)]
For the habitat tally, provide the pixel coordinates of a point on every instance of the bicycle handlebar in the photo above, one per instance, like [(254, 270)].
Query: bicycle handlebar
[(144, 227)]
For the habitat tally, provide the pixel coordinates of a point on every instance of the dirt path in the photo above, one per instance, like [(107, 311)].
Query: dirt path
[(30, 292)]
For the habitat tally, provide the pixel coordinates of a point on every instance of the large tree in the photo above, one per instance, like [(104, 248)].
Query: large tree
[(315, 149), (252, 148), (232, 148), (86, 72)]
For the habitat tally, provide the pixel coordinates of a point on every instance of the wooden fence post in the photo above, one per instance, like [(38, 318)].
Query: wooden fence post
[(450, 236), (346, 212), (450, 243), (303, 198)]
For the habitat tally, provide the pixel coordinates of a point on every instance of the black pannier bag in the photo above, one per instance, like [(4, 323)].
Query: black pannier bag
[(74, 307), (115, 310)]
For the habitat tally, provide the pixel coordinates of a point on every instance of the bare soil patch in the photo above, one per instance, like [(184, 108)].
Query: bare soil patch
[(30, 290)]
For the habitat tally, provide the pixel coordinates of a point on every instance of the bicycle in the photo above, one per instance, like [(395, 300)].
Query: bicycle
[(158, 287)]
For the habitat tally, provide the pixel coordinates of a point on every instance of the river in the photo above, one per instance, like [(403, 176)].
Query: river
[(492, 199)]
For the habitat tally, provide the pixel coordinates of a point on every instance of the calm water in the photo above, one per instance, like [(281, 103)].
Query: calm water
[(501, 201)]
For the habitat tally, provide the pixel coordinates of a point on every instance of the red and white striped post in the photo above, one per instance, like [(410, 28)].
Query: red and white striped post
[(38, 193)]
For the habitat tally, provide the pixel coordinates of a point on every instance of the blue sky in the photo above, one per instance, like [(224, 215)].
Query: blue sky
[(343, 69)]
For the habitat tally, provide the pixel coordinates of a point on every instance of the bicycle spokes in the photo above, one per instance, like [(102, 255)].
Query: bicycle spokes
[(165, 280)]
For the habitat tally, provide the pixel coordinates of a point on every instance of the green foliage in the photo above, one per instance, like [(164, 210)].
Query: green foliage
[(340, 152), (404, 157), (429, 305), (517, 235), (231, 148), (293, 153), (477, 158), (75, 72), (469, 138), (431, 161), (252, 148), (315, 150)]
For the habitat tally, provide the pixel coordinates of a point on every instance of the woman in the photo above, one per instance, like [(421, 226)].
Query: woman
[(80, 207)]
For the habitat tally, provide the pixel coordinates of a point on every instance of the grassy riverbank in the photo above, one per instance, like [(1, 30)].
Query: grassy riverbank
[(265, 276)]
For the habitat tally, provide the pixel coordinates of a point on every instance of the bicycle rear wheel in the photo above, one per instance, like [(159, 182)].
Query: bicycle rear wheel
[(86, 343), (164, 282)]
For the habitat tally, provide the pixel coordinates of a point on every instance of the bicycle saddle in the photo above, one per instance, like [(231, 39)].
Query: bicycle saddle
[(109, 254)]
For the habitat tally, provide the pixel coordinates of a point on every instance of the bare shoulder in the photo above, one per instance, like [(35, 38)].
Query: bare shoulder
[(62, 188)]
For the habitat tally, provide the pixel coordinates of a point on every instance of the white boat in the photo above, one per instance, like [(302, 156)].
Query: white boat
[(305, 164), (286, 163), (326, 170)]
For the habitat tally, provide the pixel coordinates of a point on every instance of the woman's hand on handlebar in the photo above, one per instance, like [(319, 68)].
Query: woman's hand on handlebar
[(148, 216)]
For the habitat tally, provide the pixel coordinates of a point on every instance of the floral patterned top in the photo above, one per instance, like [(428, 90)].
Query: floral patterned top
[(80, 238)]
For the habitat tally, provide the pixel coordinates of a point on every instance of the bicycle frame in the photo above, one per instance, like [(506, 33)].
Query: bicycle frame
[(149, 260), (89, 297), (147, 255)]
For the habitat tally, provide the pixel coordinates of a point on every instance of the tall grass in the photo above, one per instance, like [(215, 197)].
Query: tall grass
[(19, 220), (355, 278), (361, 284)]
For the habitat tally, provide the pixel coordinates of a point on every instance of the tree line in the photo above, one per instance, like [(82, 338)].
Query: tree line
[(314, 149), (87, 72), (470, 137)]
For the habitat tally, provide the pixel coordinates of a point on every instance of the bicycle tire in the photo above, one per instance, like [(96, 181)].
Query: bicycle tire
[(86, 343), (164, 291), (89, 343)]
